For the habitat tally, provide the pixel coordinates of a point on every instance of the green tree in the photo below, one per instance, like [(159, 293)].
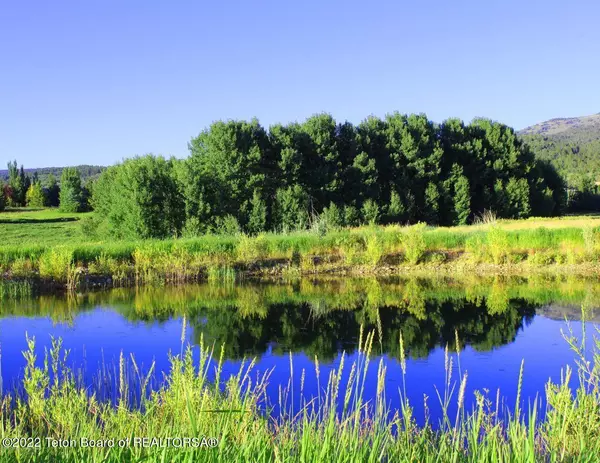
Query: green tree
[(70, 190), (291, 205), (395, 210), (2, 195), (370, 212), (462, 200), (139, 198), (432, 204), (517, 194), (35, 195), (16, 186), (258, 214), (52, 191), (228, 162)]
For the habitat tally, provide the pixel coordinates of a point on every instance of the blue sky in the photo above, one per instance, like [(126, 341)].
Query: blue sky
[(95, 81)]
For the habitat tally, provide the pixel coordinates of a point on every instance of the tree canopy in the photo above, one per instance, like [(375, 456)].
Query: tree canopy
[(402, 168)]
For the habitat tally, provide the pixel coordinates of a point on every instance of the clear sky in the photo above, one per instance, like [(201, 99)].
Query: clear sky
[(94, 81)]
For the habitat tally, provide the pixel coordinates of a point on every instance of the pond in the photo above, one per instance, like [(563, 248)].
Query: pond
[(288, 326)]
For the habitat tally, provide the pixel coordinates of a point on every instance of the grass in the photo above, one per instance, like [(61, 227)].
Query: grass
[(224, 420), (526, 245), (44, 226)]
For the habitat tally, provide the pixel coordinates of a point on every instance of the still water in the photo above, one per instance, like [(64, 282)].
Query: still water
[(285, 326)]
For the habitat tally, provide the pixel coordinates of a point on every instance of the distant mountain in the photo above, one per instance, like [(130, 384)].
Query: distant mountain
[(571, 144), (87, 172)]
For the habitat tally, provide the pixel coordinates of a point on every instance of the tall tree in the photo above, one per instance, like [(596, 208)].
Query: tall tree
[(35, 195), (52, 191), (70, 190), (139, 199)]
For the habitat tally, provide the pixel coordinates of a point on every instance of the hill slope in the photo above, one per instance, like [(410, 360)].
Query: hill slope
[(86, 172), (570, 144)]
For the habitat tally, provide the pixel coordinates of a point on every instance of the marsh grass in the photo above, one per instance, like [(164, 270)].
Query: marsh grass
[(197, 400), (191, 259)]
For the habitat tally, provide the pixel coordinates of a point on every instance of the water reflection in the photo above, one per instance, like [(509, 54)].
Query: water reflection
[(323, 317)]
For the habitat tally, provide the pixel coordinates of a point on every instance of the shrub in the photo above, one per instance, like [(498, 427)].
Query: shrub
[(541, 258), (436, 258), (477, 248), (227, 225), (374, 250), (252, 249), (497, 240), (352, 248), (414, 243), (22, 267), (590, 239), (56, 263), (370, 212)]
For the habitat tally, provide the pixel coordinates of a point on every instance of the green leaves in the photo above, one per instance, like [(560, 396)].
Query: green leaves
[(140, 198), (70, 199)]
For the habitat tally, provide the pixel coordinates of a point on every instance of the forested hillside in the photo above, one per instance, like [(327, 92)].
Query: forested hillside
[(403, 168), (86, 172), (572, 145)]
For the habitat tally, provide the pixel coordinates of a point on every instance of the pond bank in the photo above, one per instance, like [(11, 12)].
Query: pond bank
[(82, 278)]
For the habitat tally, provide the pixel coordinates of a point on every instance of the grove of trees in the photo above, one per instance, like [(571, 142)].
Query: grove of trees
[(24, 188), (402, 168)]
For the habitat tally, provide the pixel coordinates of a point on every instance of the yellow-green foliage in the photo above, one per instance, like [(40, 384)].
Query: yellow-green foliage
[(106, 265), (56, 263), (591, 239), (497, 242), (375, 250), (252, 249), (22, 267), (414, 243), (541, 258), (476, 248), (352, 248)]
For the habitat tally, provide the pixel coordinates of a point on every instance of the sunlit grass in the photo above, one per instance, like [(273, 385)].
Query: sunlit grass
[(533, 243)]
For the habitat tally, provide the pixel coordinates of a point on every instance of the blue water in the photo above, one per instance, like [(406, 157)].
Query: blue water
[(97, 337)]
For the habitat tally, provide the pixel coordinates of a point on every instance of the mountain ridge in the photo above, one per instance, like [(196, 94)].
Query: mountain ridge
[(571, 144)]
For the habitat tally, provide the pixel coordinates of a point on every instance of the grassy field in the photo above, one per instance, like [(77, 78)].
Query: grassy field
[(51, 245), (55, 418), (40, 226)]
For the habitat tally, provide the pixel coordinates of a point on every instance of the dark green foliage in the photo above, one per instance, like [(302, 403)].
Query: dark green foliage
[(402, 168), (291, 208), (18, 184), (228, 165), (52, 191), (2, 195), (139, 199), (258, 214), (43, 174), (462, 200), (517, 197), (70, 199)]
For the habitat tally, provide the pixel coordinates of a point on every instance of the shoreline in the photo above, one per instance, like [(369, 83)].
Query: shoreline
[(271, 270)]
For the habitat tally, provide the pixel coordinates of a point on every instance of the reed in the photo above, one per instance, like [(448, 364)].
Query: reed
[(190, 259)]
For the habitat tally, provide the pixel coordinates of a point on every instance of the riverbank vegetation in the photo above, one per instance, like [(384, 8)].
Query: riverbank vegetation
[(523, 246), (226, 415)]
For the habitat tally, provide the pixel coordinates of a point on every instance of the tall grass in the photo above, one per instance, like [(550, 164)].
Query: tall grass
[(224, 419), (178, 260)]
